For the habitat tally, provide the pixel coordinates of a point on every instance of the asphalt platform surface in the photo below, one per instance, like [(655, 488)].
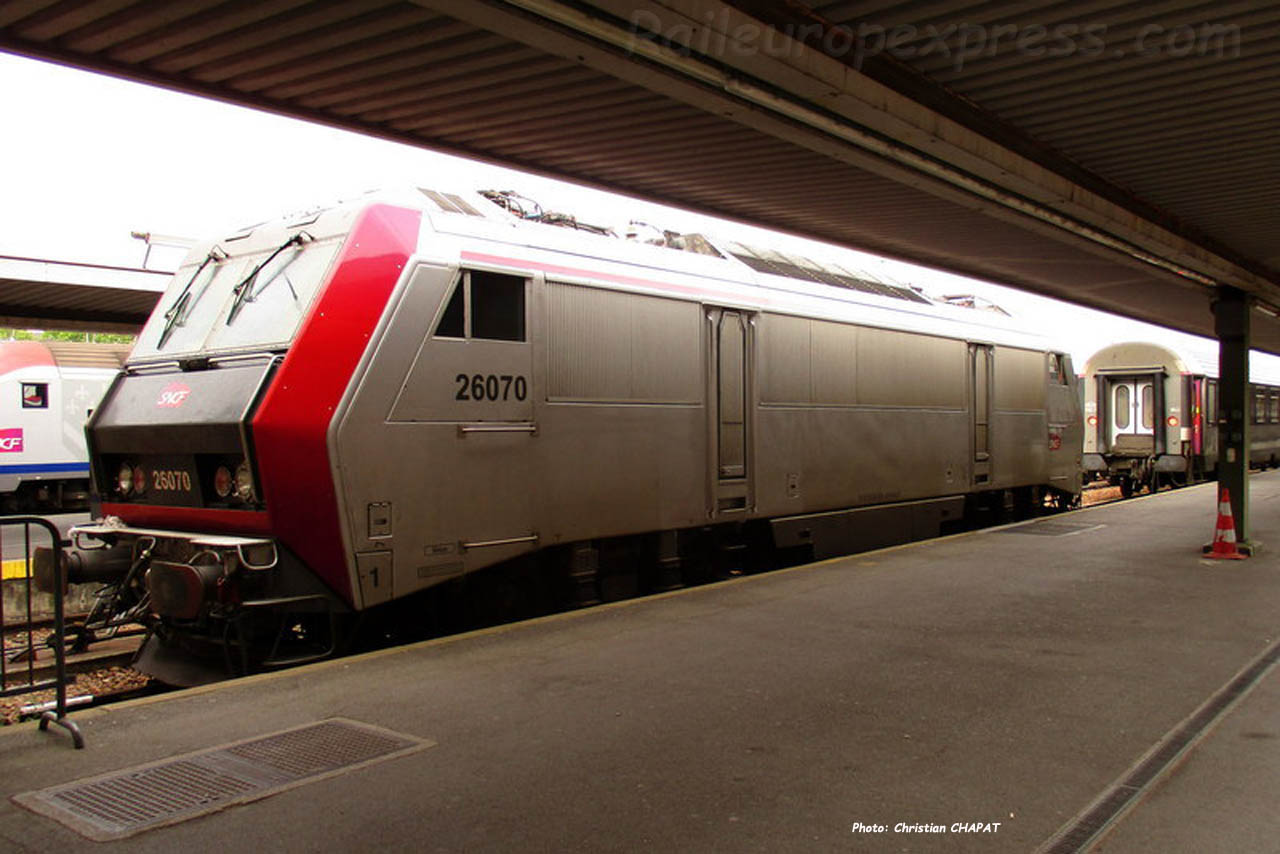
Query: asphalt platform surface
[(991, 684)]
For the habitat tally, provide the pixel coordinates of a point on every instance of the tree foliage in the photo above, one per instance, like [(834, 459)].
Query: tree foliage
[(59, 335)]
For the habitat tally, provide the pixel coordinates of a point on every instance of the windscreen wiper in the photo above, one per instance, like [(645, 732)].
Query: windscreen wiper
[(177, 314), (245, 291)]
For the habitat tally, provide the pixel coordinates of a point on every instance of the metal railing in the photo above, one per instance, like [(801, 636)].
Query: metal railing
[(19, 673)]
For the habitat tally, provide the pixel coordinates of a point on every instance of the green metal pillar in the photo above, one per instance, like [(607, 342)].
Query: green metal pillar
[(1231, 322)]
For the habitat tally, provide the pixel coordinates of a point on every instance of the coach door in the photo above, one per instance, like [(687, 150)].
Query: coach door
[(1132, 406), (730, 410), (981, 370)]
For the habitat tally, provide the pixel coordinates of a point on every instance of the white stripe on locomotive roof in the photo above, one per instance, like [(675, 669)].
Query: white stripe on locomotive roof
[(728, 280)]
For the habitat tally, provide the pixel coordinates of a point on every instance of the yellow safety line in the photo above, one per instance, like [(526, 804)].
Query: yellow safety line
[(16, 568)]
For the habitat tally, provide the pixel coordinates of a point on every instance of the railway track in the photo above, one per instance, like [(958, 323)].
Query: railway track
[(100, 688), (98, 675), (1096, 494)]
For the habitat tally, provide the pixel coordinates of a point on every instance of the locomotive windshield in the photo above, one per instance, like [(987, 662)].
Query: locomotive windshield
[(233, 303)]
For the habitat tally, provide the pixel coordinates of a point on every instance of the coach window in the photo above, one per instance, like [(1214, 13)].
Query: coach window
[(1211, 402), (485, 305), (1148, 410), (35, 395), (1274, 407), (1123, 408), (1259, 406)]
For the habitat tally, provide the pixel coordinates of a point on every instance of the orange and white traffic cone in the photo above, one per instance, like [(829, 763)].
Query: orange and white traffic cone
[(1224, 536)]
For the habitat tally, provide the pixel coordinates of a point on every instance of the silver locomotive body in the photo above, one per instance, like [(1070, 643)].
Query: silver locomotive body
[(619, 411), (452, 388)]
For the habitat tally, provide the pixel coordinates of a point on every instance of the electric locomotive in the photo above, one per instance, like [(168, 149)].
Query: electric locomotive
[(1152, 414), (329, 414)]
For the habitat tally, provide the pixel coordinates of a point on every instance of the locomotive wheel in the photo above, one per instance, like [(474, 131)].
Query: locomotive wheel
[(1027, 502)]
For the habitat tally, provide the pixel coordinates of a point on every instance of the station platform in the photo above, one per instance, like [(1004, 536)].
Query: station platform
[(975, 693)]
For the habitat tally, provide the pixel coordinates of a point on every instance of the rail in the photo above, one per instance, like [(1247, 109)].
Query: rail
[(18, 661)]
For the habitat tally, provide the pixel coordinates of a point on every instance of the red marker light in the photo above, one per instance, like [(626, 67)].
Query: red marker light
[(1093, 421), (1173, 421)]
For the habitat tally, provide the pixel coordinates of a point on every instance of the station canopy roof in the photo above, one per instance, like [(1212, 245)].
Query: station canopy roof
[(1120, 156)]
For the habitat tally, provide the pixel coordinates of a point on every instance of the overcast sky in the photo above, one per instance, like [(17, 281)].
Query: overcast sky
[(86, 159)]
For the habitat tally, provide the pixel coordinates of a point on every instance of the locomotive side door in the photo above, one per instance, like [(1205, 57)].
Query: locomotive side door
[(730, 404), (981, 374), (458, 467)]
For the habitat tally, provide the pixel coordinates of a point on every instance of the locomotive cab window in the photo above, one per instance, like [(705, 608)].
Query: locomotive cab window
[(35, 395), (1057, 369), (486, 306), (453, 323)]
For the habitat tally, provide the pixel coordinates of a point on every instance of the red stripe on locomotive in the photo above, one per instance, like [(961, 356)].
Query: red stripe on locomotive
[(247, 522), (731, 297), (290, 429)]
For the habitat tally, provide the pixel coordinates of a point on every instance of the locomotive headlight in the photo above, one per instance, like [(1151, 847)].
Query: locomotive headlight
[(124, 478), (244, 482), (222, 482)]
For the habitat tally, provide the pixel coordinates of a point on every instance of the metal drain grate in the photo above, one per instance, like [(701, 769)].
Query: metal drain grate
[(1081, 832), (1051, 529), (122, 803)]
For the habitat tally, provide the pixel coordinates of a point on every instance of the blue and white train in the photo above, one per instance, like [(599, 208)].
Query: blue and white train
[(48, 389)]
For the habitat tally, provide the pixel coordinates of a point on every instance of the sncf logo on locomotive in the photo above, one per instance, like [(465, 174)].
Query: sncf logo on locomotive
[(11, 440), (173, 395)]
